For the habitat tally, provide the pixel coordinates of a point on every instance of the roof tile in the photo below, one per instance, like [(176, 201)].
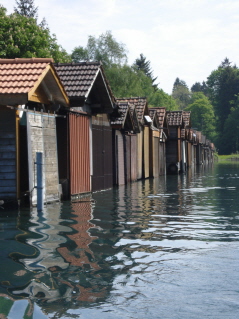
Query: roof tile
[(77, 77), (19, 75), (139, 102)]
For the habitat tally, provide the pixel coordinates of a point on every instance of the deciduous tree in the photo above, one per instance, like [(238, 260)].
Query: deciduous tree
[(223, 85), (181, 93), (22, 37), (202, 115), (105, 48)]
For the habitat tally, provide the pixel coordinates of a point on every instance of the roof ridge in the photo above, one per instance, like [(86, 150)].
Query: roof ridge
[(78, 63), (26, 60)]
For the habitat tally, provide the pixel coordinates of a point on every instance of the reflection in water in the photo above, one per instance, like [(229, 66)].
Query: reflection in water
[(160, 246)]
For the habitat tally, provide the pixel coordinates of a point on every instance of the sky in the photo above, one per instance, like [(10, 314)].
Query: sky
[(181, 38)]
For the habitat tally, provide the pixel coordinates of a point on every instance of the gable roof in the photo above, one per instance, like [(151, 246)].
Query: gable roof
[(160, 113), (174, 118), (82, 79), (140, 104), (35, 79), (124, 110), (187, 118)]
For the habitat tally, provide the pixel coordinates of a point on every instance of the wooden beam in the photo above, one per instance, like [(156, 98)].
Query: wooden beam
[(38, 82)]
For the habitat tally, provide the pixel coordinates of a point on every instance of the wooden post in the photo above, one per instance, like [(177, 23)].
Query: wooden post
[(39, 163)]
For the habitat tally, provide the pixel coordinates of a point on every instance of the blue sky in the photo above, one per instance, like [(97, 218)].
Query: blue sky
[(181, 38)]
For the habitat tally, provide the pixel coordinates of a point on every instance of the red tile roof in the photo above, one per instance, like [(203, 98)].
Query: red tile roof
[(20, 75)]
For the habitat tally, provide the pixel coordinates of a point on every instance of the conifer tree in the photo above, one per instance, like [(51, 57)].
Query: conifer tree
[(26, 8), (144, 65)]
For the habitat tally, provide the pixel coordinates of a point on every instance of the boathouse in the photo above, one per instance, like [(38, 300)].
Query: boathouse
[(158, 138), (85, 143), (125, 144), (30, 93), (144, 121), (178, 122)]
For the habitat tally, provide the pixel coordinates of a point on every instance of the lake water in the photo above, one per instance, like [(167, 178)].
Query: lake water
[(160, 248)]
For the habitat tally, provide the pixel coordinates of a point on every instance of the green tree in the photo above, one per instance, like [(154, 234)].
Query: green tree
[(126, 81), (198, 87), (223, 87), (229, 142), (105, 48), (202, 115), (21, 37), (181, 93), (144, 65), (26, 8)]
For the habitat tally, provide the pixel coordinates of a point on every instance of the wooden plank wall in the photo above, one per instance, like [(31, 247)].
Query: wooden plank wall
[(80, 179), (8, 165), (134, 158), (102, 177), (156, 156), (127, 150), (120, 159), (146, 152), (140, 154), (162, 159)]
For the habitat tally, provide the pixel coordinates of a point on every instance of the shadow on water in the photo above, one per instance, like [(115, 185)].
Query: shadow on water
[(114, 247)]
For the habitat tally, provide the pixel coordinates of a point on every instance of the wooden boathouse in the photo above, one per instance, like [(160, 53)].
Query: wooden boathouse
[(158, 139), (141, 106), (125, 144), (30, 93), (85, 156)]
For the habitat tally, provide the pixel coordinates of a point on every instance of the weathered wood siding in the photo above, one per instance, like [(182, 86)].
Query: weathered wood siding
[(140, 154), (119, 161), (79, 129), (156, 156), (173, 149), (134, 158), (102, 177), (146, 152), (41, 135), (127, 151), (8, 154), (162, 158)]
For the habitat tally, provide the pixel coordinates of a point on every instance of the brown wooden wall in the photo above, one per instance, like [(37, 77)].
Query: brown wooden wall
[(119, 160), (134, 158), (146, 152), (162, 158), (102, 177), (127, 152), (155, 156), (79, 131), (140, 155), (8, 154)]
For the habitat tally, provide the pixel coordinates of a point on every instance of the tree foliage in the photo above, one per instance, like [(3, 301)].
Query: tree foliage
[(105, 48), (181, 93), (223, 85), (202, 114), (22, 37), (26, 8), (144, 65), (229, 142), (126, 81), (198, 87)]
